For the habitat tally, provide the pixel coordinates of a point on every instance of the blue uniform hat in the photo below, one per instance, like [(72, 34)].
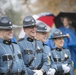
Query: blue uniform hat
[(58, 34), (42, 27), (29, 21), (5, 23)]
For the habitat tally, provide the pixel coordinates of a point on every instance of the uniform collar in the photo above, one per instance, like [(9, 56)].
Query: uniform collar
[(28, 38), (44, 44), (58, 49), (7, 42)]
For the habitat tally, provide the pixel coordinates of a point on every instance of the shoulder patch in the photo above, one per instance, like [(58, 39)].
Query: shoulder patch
[(64, 48), (21, 39)]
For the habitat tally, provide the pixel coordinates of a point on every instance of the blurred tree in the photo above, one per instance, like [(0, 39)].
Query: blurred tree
[(1, 12), (14, 16), (54, 6)]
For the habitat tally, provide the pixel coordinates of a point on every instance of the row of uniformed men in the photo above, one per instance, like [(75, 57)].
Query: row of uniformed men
[(31, 56)]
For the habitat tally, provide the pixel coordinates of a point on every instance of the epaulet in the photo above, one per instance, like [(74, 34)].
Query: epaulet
[(45, 44), (64, 48), (53, 49), (14, 42), (20, 39)]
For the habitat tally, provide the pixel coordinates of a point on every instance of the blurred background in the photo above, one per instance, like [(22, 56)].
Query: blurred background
[(16, 10)]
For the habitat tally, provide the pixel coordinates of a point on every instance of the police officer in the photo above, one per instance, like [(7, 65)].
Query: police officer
[(34, 58), (61, 63), (42, 31), (42, 34), (11, 62)]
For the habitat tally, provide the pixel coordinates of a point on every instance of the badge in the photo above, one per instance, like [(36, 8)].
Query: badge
[(49, 54), (19, 52), (49, 61), (38, 47), (57, 58), (66, 55)]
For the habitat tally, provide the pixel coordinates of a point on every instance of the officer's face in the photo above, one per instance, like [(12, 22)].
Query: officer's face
[(59, 42), (30, 31), (42, 36), (7, 34)]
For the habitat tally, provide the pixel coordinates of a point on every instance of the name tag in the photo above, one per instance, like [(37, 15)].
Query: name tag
[(39, 50), (28, 51), (7, 57)]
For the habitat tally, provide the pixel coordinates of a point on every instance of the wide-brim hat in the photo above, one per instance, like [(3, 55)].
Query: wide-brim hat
[(42, 27), (10, 27), (29, 21), (5, 23), (58, 34)]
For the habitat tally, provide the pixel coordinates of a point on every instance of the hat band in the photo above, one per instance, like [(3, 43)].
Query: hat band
[(61, 36), (42, 31), (29, 25), (6, 27)]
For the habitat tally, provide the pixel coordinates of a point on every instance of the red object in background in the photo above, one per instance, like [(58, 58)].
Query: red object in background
[(48, 19)]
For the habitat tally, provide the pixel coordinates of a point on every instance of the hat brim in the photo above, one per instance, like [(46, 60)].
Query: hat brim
[(8, 27), (25, 26), (42, 31), (61, 36)]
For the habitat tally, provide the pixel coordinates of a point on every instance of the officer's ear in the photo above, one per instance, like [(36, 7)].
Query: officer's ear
[(24, 29), (54, 40)]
